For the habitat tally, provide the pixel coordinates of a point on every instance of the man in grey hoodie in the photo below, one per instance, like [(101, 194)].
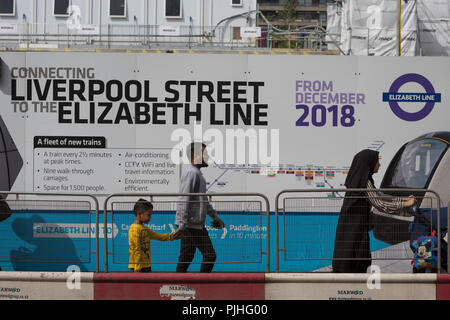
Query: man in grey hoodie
[(192, 211)]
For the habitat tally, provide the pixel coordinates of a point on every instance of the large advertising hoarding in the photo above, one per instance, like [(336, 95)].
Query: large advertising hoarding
[(117, 122)]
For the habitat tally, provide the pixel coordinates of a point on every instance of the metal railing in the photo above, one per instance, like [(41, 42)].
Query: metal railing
[(116, 36), (51, 242), (247, 247), (324, 211), (28, 206), (134, 36)]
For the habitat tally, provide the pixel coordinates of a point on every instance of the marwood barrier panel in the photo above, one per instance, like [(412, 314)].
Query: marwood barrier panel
[(232, 247), (310, 219), (44, 234), (221, 286)]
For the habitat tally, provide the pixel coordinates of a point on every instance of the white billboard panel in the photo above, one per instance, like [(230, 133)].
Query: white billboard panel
[(115, 122)]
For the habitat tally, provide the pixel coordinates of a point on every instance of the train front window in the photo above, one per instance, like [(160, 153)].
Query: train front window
[(416, 163)]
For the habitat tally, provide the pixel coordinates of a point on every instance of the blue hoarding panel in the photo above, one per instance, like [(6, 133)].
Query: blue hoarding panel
[(54, 240)]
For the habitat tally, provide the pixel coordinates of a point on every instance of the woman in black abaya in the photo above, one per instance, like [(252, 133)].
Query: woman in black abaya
[(352, 244)]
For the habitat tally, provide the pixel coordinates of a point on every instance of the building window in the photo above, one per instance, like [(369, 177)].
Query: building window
[(236, 3), (117, 8), (174, 8), (60, 8), (8, 8)]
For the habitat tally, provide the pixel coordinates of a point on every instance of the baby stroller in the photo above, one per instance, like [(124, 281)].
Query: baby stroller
[(424, 240)]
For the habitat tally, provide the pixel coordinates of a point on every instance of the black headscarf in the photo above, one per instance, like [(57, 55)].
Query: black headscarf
[(361, 169), (352, 242)]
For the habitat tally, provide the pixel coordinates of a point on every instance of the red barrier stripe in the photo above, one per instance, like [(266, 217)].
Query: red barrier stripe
[(443, 287), (199, 286), (180, 277), (443, 278)]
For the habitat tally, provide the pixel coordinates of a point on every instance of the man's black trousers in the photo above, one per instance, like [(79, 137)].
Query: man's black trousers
[(190, 241)]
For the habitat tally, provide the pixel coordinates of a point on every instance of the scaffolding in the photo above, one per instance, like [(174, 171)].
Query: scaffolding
[(25, 36)]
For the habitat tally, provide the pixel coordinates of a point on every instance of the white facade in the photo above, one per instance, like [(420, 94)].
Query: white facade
[(199, 16)]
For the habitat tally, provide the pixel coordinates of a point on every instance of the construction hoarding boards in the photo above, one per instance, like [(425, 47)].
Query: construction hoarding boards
[(372, 27), (116, 122), (110, 122)]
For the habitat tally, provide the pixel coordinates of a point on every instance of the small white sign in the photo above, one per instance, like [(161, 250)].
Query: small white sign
[(38, 45), (250, 32), (177, 292), (88, 29), (71, 230), (169, 30), (6, 28)]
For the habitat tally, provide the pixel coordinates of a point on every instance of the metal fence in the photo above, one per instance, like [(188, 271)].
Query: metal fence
[(310, 221), (244, 240), (117, 36), (136, 36), (44, 234)]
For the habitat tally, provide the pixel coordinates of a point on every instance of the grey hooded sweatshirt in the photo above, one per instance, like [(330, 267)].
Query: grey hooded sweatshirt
[(192, 210)]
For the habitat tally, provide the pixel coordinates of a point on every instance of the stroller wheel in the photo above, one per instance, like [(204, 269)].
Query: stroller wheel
[(415, 270)]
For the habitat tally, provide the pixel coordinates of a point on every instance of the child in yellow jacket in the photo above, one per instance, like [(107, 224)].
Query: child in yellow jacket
[(139, 237)]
